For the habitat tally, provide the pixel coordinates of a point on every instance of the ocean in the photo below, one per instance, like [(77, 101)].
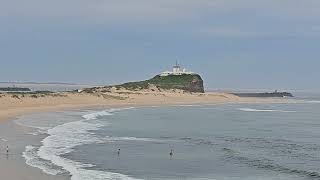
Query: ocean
[(209, 142)]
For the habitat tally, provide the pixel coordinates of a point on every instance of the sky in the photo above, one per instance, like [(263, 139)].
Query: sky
[(233, 44)]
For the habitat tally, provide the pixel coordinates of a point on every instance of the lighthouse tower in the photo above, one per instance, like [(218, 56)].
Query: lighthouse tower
[(176, 68)]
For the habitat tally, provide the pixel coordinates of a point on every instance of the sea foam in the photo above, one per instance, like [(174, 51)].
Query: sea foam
[(112, 139), (95, 115), (263, 110), (314, 102), (62, 139), (32, 159)]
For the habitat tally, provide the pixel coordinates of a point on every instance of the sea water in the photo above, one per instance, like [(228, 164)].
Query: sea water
[(216, 142)]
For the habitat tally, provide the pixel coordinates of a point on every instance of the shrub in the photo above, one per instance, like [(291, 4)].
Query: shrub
[(15, 96), (34, 96)]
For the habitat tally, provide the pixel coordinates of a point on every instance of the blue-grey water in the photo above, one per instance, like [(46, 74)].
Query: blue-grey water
[(222, 142)]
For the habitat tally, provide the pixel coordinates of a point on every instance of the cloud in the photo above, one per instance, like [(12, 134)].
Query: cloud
[(254, 32), (229, 32), (152, 10), (106, 10), (273, 7), (209, 18)]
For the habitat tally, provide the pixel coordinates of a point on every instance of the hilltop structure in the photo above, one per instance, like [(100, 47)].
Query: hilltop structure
[(177, 70), (177, 79)]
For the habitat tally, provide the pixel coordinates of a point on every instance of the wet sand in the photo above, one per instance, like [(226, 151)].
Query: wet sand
[(12, 165)]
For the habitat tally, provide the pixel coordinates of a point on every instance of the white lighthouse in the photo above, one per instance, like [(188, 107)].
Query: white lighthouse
[(176, 71), (176, 68)]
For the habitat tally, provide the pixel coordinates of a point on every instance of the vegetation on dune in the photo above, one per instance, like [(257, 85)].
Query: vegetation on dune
[(107, 96), (15, 96), (35, 94), (187, 82)]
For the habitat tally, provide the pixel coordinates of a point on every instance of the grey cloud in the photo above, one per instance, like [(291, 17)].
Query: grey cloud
[(228, 32), (151, 10), (103, 9)]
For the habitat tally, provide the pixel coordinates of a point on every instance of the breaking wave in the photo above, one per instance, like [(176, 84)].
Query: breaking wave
[(263, 110), (109, 138), (63, 139), (32, 159), (4, 140), (95, 115), (314, 102)]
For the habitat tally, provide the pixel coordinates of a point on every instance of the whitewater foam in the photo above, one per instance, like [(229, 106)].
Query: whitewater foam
[(38, 132), (33, 133), (32, 159), (95, 115), (120, 109), (111, 139), (314, 102), (263, 110), (190, 105), (62, 139), (109, 112)]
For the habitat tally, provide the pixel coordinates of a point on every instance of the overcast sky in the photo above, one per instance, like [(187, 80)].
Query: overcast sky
[(269, 44)]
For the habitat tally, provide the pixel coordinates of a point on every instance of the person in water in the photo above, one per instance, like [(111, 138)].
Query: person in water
[(118, 152), (171, 153), (7, 149)]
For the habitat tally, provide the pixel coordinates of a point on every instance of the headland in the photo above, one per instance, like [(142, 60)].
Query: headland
[(179, 87), (160, 90)]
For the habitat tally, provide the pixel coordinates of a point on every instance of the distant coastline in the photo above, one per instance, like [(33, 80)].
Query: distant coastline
[(265, 95), (14, 89), (58, 83)]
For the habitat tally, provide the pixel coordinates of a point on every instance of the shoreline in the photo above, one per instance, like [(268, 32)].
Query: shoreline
[(28, 106), (10, 107)]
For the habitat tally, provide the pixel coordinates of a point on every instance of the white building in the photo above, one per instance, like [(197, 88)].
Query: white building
[(177, 70)]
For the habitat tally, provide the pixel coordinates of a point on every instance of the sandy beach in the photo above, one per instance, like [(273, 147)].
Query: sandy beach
[(13, 105)]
